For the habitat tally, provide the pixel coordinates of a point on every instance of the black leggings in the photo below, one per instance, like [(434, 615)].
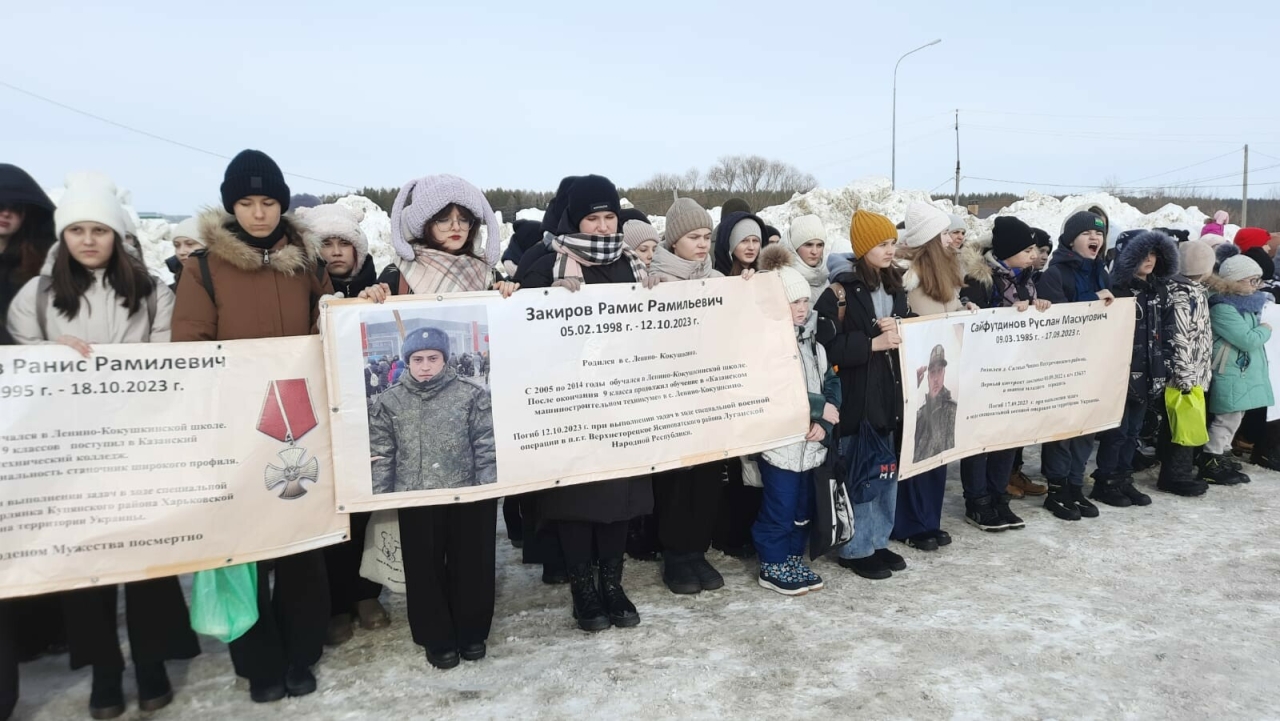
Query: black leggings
[(584, 542)]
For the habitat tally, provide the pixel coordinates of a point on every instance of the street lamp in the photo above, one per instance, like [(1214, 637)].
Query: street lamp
[(894, 170)]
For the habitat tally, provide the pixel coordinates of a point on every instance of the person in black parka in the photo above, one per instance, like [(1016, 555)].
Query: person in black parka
[(591, 519)]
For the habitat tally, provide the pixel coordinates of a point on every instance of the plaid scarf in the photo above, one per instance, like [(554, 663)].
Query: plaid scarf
[(575, 250), (434, 271)]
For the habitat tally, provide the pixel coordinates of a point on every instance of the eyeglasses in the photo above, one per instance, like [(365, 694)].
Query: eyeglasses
[(446, 223), (1255, 282)]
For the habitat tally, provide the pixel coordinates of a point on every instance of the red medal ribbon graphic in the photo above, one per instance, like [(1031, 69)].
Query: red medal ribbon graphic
[(287, 415)]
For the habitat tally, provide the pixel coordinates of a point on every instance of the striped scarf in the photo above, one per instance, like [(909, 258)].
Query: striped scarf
[(575, 250), (433, 271)]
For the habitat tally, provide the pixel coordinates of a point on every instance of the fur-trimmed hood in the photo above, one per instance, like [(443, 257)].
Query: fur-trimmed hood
[(1136, 251), (297, 252), (974, 263)]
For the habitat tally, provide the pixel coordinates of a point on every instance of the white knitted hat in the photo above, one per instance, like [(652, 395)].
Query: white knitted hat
[(1239, 267), (794, 284), (189, 228), (924, 223), (422, 198), (804, 229), (338, 221), (90, 197)]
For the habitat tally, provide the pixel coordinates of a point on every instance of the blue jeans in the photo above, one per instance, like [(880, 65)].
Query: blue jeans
[(1065, 460), (987, 474), (1117, 445), (782, 528), (872, 521)]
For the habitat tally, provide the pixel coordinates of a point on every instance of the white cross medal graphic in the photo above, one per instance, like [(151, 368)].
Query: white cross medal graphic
[(288, 415)]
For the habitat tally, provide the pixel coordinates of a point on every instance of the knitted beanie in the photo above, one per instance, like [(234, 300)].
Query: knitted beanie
[(683, 217), (957, 223), (253, 172), (1080, 223), (338, 221), (924, 223), (1213, 239), (1010, 236), (591, 194), (632, 213), (794, 284), (1043, 239), (421, 339), (1224, 251), (1247, 238), (804, 229), (1239, 267), (744, 229), (1221, 217), (770, 232), (734, 205), (869, 230), (189, 228), (90, 197), (1197, 258), (419, 200), (778, 259), (635, 233)]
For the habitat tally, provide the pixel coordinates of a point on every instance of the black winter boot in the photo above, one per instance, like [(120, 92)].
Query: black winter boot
[(1136, 497), (587, 607), (1010, 519), (622, 612), (154, 690), (708, 576), (1178, 472), (1060, 503), (981, 513), (1106, 489), (1087, 509), (106, 700), (679, 574), (1215, 470)]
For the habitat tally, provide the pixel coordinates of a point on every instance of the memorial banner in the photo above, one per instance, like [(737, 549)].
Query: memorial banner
[(150, 460), (983, 381), (457, 398)]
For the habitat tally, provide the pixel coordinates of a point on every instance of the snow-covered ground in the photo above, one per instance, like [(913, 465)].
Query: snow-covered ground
[(1165, 612)]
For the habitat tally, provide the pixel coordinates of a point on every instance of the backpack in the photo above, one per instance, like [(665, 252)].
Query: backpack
[(45, 284)]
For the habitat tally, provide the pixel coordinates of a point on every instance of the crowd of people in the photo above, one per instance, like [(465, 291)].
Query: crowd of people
[(249, 269)]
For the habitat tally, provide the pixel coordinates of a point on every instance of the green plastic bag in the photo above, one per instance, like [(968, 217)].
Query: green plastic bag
[(224, 601), (1188, 422)]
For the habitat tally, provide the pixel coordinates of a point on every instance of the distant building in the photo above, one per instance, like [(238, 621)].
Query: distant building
[(384, 340)]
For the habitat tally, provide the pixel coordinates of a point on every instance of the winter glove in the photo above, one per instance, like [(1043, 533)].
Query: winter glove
[(331, 296), (651, 281), (573, 284)]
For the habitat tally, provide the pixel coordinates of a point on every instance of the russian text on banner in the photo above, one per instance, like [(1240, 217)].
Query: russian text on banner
[(149, 460), (1271, 316), (457, 398), (983, 381)]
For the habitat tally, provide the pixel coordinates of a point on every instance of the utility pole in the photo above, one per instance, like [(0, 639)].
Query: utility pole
[(1244, 203), (957, 201)]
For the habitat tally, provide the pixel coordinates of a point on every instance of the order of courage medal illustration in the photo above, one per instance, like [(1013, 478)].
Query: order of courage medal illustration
[(288, 415)]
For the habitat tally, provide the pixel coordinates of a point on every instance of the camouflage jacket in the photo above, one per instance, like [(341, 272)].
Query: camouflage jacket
[(935, 426)]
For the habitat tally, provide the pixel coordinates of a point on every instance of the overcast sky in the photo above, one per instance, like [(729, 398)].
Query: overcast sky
[(518, 94)]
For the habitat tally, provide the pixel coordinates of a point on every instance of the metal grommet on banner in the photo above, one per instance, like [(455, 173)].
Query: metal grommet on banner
[(457, 498), (546, 292), (342, 508), (335, 410), (228, 560), (345, 537), (94, 580), (439, 297), (557, 481)]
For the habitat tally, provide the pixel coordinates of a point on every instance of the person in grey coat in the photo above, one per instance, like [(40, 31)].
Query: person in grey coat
[(432, 429)]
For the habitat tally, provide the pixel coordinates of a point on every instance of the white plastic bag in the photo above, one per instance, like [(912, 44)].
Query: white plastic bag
[(381, 562)]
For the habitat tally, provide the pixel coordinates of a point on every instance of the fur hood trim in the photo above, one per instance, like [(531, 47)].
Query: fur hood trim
[(1138, 248), (299, 253)]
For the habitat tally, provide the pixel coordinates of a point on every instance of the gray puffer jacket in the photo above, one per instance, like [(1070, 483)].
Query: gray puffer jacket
[(432, 434)]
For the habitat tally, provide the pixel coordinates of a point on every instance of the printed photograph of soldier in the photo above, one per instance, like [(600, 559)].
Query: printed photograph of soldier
[(936, 412), (430, 415)]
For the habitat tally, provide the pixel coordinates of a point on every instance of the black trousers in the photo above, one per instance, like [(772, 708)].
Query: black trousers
[(292, 618), (342, 562), (155, 615), (448, 554), (8, 661), (512, 518), (37, 625), (686, 502), (740, 506), (584, 542)]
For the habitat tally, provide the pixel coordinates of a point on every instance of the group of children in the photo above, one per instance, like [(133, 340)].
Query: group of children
[(247, 270)]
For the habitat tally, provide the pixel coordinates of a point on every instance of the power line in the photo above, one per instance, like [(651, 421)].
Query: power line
[(1185, 167), (1087, 135), (151, 135), (1165, 117)]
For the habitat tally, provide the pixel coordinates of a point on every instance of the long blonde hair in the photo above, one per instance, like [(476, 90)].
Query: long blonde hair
[(938, 269)]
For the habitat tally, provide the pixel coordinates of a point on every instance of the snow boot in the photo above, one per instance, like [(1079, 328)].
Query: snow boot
[(622, 612), (1178, 472), (587, 607), (871, 567), (1024, 485), (679, 574), (1008, 517), (473, 651), (981, 513), (340, 630), (1136, 497), (154, 690), (891, 560), (1107, 490), (708, 576), (813, 580), (267, 690), (299, 681), (782, 578), (1087, 509), (443, 660), (1214, 470), (1060, 503), (922, 541), (106, 699)]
